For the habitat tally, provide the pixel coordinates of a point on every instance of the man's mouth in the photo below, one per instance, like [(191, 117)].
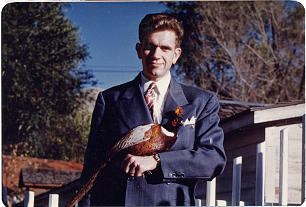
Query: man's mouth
[(155, 63)]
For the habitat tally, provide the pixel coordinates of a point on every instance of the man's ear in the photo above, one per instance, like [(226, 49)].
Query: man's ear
[(138, 50), (177, 54)]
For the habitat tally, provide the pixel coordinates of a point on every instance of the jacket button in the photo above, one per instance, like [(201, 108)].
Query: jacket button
[(181, 175)]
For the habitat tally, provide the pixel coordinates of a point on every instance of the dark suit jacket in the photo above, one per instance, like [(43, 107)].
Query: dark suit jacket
[(197, 153)]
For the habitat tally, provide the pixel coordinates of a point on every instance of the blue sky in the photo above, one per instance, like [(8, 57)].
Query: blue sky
[(110, 30)]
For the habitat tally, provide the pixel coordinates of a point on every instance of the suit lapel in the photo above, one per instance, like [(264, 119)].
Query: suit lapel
[(175, 98), (132, 106), (133, 109)]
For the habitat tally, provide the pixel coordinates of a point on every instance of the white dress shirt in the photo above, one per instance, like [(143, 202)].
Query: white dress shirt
[(160, 93)]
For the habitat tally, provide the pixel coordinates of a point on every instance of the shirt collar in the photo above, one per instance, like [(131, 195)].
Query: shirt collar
[(162, 84)]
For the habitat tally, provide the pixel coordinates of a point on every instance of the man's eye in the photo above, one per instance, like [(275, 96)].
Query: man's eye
[(149, 47), (165, 48)]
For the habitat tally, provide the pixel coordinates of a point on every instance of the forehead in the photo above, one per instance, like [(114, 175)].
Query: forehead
[(162, 37)]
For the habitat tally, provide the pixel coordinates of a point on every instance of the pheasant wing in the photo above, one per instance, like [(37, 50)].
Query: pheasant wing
[(135, 136)]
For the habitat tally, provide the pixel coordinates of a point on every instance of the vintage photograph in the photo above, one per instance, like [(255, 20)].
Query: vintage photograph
[(148, 103)]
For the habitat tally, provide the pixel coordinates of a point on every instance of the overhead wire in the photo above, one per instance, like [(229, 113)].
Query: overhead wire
[(88, 67)]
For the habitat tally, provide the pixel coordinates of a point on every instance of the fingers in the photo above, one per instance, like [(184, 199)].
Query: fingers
[(137, 165), (132, 169), (130, 166), (133, 165), (126, 164), (138, 171)]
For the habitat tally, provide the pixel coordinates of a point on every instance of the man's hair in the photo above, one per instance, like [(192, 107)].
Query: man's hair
[(160, 21)]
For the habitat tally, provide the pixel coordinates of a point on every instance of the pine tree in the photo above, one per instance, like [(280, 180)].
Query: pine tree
[(42, 82)]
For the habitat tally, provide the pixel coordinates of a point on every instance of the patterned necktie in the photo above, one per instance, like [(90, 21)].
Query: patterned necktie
[(150, 98)]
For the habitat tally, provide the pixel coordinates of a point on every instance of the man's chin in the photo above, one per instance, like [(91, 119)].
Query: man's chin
[(155, 73)]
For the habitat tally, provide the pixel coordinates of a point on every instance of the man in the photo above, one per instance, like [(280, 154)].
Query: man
[(166, 178)]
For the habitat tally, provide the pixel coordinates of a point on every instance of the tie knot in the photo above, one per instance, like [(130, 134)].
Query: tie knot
[(152, 86)]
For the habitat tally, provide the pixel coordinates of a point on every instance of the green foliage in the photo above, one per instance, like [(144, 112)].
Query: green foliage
[(42, 82), (249, 51)]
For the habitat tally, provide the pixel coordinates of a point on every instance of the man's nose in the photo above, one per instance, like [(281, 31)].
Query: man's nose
[(156, 52)]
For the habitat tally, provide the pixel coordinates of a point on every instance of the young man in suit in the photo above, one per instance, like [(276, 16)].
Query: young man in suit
[(198, 151)]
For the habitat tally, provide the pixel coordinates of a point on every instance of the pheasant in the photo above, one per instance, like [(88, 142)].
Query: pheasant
[(147, 139)]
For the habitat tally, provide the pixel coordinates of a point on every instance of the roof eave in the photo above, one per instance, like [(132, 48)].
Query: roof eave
[(262, 115)]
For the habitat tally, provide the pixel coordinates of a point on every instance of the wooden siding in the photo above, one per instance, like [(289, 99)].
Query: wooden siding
[(241, 143), (244, 143), (294, 163)]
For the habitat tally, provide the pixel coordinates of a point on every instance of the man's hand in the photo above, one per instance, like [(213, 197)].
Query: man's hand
[(137, 165)]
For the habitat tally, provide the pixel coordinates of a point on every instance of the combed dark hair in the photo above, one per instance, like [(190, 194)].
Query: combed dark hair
[(160, 21)]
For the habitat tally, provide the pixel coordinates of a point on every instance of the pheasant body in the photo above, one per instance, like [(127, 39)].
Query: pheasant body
[(142, 140), (145, 139)]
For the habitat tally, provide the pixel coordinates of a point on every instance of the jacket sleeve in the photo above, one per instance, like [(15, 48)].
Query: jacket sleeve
[(206, 159), (94, 154)]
